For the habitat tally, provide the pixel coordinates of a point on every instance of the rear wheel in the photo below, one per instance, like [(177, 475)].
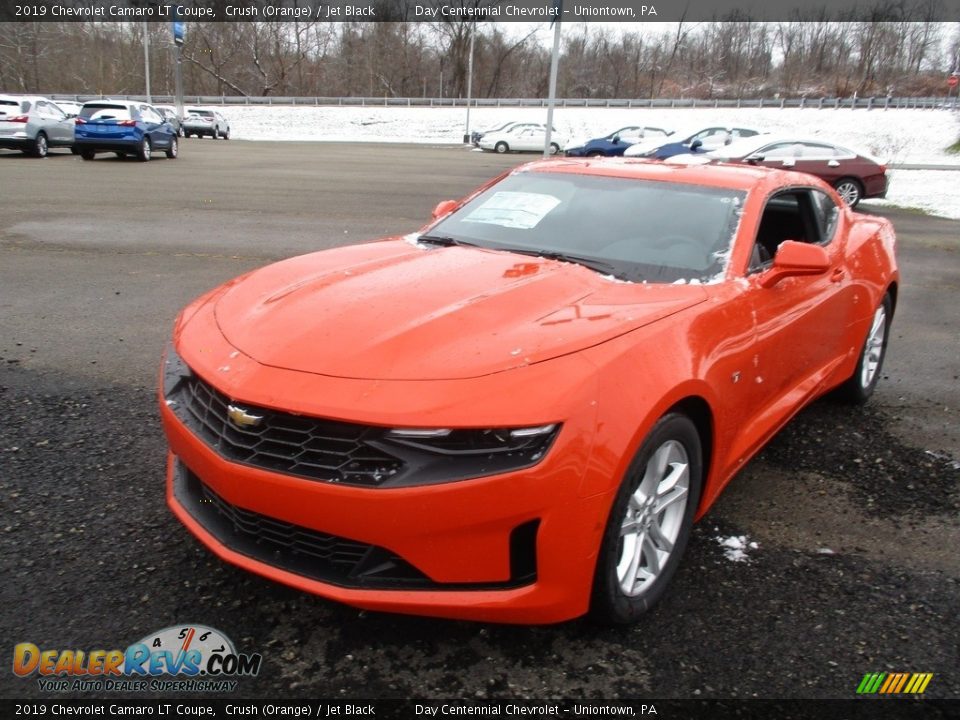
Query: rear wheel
[(860, 386), (87, 154), (226, 134), (554, 148), (850, 190), (144, 149), (216, 134), (501, 147), (649, 522), (173, 149), (40, 146)]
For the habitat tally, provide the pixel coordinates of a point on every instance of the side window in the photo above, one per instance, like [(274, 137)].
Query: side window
[(780, 151), (826, 213), (56, 112), (788, 215), (815, 151)]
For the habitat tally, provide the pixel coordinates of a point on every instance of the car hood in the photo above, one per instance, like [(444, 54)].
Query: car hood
[(393, 310)]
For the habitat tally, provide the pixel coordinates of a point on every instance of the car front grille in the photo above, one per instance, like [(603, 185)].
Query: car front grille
[(283, 442), (291, 547)]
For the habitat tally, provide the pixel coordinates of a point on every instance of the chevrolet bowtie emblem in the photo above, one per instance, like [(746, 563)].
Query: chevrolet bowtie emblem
[(241, 418)]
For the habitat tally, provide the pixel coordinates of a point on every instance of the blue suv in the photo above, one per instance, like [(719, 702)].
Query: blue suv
[(125, 128)]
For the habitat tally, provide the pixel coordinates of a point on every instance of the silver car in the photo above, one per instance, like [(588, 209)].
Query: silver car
[(200, 122), (33, 125)]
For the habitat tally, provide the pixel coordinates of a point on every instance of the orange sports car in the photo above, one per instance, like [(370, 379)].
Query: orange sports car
[(518, 413)]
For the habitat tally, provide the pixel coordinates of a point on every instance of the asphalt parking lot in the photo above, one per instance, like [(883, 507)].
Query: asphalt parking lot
[(854, 511)]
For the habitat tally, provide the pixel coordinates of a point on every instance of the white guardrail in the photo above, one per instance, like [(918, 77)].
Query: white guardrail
[(865, 103)]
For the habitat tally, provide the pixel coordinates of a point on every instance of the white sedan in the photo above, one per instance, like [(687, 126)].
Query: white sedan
[(522, 137)]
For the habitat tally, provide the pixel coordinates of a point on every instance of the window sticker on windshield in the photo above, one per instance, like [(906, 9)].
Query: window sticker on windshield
[(522, 210)]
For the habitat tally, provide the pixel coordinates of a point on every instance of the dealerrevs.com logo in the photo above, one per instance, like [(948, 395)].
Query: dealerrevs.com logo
[(187, 658)]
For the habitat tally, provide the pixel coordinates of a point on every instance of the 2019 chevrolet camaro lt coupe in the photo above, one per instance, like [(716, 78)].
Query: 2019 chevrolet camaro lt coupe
[(518, 413)]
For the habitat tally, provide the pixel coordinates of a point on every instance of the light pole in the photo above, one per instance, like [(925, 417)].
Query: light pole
[(552, 98), (146, 58), (473, 32)]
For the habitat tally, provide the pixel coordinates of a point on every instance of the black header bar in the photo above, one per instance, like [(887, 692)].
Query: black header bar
[(624, 11), (339, 709)]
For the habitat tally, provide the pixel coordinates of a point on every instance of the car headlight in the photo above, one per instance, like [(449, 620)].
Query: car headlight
[(175, 371), (439, 455)]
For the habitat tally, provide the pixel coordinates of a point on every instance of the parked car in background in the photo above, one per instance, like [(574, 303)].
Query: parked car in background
[(518, 413), (477, 134), (854, 175), (522, 137), (125, 128), (690, 141), (70, 107), (33, 124), (200, 122), (170, 114), (614, 144)]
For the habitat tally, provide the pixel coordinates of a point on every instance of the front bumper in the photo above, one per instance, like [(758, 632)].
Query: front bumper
[(514, 547)]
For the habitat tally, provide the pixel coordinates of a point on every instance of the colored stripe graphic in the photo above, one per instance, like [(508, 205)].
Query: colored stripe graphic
[(894, 683)]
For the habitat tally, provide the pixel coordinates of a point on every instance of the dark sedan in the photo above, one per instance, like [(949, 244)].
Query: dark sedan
[(853, 175)]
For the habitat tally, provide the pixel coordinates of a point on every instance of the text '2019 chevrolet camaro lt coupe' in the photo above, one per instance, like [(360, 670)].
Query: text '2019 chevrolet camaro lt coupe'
[(518, 413)]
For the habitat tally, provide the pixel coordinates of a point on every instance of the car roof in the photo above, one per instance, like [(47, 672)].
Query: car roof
[(20, 98), (735, 177), (744, 146), (108, 101)]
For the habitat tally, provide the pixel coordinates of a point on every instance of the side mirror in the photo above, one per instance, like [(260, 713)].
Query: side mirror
[(794, 259), (444, 207), (754, 159), (696, 144), (616, 139)]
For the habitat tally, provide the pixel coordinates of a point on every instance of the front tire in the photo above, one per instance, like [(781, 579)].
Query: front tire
[(87, 154), (501, 147), (860, 386), (226, 134), (850, 191), (649, 523), (144, 149), (216, 134), (173, 149), (554, 148)]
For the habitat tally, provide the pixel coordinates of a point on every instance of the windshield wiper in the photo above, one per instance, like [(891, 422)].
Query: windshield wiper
[(444, 240), (600, 266)]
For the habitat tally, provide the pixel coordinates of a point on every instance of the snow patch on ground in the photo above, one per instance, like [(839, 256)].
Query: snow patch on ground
[(892, 136), (736, 547), (935, 191)]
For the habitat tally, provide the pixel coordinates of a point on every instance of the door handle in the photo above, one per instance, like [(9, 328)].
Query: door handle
[(838, 275), (833, 163)]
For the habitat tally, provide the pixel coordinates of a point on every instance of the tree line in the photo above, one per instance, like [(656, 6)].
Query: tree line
[(737, 57)]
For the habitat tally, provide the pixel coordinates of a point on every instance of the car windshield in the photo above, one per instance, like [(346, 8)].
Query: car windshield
[(104, 111), (634, 230)]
